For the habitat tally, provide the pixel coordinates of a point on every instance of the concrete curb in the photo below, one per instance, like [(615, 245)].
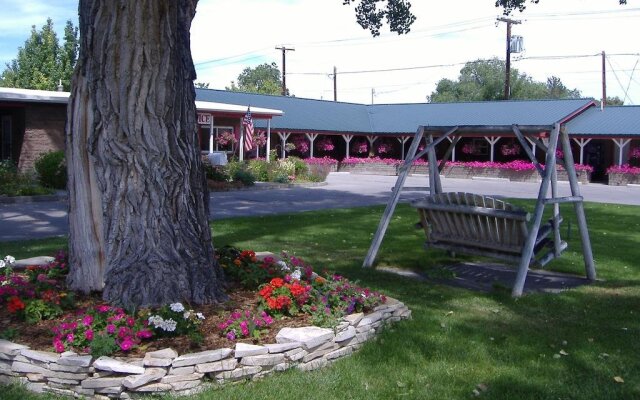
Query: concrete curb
[(32, 199)]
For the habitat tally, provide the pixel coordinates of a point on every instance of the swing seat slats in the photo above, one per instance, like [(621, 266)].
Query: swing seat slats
[(480, 225)]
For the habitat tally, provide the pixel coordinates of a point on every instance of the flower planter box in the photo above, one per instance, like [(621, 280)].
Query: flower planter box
[(461, 172), (369, 168), (464, 172), (622, 179)]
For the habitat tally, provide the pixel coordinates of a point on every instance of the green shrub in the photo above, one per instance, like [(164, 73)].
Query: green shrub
[(299, 166), (52, 170), (260, 169), (217, 174), (244, 176), (14, 183)]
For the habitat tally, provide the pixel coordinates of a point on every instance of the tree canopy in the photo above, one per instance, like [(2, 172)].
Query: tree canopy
[(263, 79), (371, 15), (483, 80), (42, 63)]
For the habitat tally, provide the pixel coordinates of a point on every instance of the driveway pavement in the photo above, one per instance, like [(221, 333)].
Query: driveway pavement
[(22, 221)]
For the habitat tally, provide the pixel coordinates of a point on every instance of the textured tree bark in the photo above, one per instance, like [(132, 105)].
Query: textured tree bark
[(138, 200)]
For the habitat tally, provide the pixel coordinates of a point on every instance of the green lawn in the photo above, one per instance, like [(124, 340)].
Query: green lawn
[(541, 346)]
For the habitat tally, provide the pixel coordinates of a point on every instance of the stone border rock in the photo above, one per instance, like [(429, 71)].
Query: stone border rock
[(164, 371)]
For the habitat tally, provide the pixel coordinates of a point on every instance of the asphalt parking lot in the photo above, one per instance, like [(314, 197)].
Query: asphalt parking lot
[(21, 221)]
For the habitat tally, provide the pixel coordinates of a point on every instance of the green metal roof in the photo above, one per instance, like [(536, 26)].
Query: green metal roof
[(309, 115), (613, 121)]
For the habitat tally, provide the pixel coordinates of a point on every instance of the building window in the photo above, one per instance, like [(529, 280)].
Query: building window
[(5, 137)]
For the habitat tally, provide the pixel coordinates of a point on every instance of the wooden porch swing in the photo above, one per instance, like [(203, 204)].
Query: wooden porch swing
[(485, 226)]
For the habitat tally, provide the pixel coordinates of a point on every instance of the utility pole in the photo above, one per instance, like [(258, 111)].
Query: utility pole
[(373, 93), (604, 81), (507, 83), (284, 67), (335, 83)]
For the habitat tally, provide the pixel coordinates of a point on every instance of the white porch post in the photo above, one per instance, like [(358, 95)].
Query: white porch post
[(453, 151), (268, 139), (283, 140), (241, 149), (347, 139), (492, 142), (371, 139), (582, 143), (211, 135), (312, 138), (402, 141), (621, 143)]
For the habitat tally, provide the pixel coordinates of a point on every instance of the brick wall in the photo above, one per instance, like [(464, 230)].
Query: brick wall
[(44, 131)]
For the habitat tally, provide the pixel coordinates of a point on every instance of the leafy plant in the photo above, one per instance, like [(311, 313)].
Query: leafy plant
[(79, 331), (244, 268), (8, 333), (52, 170), (103, 345), (37, 310), (240, 324), (218, 174), (175, 320)]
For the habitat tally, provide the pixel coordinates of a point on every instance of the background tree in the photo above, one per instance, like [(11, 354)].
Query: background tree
[(42, 63), (138, 219), (520, 5), (201, 85), (263, 79), (483, 80), (397, 14)]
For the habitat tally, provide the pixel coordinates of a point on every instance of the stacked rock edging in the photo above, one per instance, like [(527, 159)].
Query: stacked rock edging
[(164, 371)]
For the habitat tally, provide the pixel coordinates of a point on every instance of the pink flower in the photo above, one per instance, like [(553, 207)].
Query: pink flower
[(244, 328), (144, 334), (89, 334), (58, 345), (122, 332), (103, 308), (231, 335), (70, 337), (87, 320), (131, 321), (126, 344), (111, 328)]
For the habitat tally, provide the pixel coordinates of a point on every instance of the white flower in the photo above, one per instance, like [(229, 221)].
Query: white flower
[(9, 260), (296, 274), (2, 265), (156, 320), (200, 315), (169, 325), (283, 265), (186, 314), (176, 307)]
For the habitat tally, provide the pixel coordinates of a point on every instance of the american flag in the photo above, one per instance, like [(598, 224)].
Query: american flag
[(247, 123)]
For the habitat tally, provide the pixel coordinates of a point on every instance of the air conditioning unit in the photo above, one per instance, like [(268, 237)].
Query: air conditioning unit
[(516, 44)]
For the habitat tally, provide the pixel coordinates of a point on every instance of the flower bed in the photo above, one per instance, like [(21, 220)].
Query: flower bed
[(520, 171), (85, 342), (623, 175)]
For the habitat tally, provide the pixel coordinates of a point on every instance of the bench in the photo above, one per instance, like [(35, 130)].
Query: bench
[(484, 226)]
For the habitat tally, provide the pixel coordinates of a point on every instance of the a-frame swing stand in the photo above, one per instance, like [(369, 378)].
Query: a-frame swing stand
[(548, 173)]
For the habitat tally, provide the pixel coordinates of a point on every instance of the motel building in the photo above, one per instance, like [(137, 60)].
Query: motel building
[(32, 122)]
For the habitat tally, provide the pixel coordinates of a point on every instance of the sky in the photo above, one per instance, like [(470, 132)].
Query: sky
[(561, 38)]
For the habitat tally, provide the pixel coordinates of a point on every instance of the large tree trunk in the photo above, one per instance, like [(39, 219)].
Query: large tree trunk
[(138, 201)]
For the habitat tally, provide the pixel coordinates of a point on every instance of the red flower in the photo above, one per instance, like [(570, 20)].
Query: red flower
[(15, 304), (277, 282), (265, 292), (283, 301), (272, 303)]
